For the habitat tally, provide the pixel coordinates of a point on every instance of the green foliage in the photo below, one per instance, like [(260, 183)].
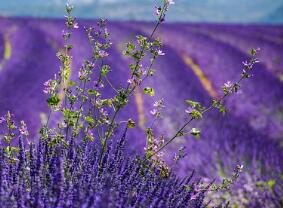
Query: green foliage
[(149, 91), (131, 124), (70, 117), (105, 70), (53, 101)]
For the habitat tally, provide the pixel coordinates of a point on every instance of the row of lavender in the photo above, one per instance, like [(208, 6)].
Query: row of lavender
[(250, 133)]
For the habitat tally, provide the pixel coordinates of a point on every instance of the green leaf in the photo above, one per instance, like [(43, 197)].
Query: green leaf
[(70, 117), (131, 47), (105, 69), (149, 91), (107, 102), (222, 109), (93, 92), (71, 83), (193, 103), (195, 114), (180, 134), (89, 119), (53, 101), (270, 184), (253, 52), (121, 99)]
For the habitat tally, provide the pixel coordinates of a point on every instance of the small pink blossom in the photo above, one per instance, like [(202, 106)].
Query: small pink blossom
[(159, 104), (23, 129), (89, 134), (153, 112), (194, 197), (197, 189), (130, 81), (103, 112), (228, 84), (189, 110), (47, 86), (76, 26), (160, 53), (103, 54)]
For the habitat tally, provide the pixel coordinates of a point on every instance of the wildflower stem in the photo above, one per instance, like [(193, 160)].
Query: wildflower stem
[(110, 84), (188, 122), (128, 91), (143, 48)]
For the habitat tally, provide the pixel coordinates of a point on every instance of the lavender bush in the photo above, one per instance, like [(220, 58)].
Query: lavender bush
[(80, 160)]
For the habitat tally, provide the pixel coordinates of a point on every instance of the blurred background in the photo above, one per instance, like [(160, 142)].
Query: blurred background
[(205, 42), (220, 11)]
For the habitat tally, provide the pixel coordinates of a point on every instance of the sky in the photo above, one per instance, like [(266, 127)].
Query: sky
[(218, 11)]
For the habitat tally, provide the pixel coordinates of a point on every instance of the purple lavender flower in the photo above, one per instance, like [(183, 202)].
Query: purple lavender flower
[(65, 180), (2, 119)]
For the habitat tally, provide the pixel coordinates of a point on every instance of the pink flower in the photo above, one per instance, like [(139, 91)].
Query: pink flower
[(159, 104), (189, 110), (228, 84), (76, 26), (197, 189), (103, 54), (153, 112), (246, 63), (194, 197), (130, 81), (89, 134), (103, 112), (23, 129), (160, 53), (47, 86)]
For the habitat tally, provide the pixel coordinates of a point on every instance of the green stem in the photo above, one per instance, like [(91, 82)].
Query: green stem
[(188, 122)]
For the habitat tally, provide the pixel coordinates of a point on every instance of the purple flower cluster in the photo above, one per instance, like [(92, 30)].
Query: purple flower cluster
[(58, 176)]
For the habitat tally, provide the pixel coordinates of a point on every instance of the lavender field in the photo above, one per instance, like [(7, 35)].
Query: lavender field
[(199, 59)]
